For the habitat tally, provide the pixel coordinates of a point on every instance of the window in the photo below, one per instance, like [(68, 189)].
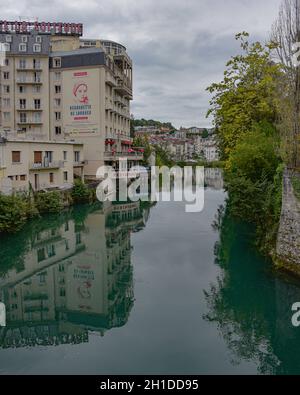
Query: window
[(6, 102), (37, 48), (16, 156), (37, 117), (57, 89), (57, 76), (22, 104), (6, 62), (57, 102), (24, 39), (49, 156), (38, 39), (76, 156), (6, 75), (22, 47), (22, 89), (8, 38), (51, 178), (38, 156), (41, 255), (6, 116), (57, 62), (23, 177), (57, 130), (6, 47), (57, 115), (22, 63), (65, 153), (6, 89), (37, 104), (65, 176), (23, 117), (36, 89), (37, 77), (36, 64)]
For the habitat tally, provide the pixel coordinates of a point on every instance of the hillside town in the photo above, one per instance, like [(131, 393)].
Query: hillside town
[(184, 144)]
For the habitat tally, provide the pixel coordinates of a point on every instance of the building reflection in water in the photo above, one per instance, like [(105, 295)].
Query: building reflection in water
[(74, 277)]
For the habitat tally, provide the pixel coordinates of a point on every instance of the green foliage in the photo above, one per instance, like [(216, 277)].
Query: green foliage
[(247, 95), (254, 183), (205, 134), (144, 143), (49, 202), (80, 192), (163, 157), (13, 213), (151, 122), (255, 157)]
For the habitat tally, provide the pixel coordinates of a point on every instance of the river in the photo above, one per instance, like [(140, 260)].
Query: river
[(140, 289)]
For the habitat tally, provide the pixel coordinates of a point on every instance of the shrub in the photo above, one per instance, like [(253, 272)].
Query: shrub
[(49, 202), (13, 213), (80, 192)]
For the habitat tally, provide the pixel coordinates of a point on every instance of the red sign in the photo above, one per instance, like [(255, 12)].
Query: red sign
[(58, 28)]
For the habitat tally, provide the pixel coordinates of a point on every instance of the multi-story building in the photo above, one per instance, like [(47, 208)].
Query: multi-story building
[(57, 86), (43, 165)]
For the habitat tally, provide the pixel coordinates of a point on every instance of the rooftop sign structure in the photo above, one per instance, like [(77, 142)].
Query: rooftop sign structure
[(56, 28)]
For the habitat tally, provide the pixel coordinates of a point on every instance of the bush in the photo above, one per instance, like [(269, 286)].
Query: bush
[(254, 184), (13, 213), (49, 202), (80, 192)]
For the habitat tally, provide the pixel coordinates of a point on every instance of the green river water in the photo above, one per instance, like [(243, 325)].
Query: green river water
[(134, 289)]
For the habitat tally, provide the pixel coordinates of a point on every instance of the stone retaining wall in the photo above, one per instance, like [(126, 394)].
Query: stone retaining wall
[(288, 241)]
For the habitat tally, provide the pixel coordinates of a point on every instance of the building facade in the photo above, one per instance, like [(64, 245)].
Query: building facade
[(56, 86), (41, 165)]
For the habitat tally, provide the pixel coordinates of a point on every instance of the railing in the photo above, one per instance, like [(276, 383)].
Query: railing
[(29, 122), (24, 82), (46, 165), (79, 163), (128, 155)]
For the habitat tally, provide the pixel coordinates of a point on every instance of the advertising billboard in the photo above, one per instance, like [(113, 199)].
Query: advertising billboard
[(81, 102)]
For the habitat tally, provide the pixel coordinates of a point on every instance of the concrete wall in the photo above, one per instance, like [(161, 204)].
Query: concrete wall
[(288, 242)]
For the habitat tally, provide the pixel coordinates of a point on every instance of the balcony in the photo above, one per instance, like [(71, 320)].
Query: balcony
[(28, 109), (46, 165), (34, 69), (79, 163), (27, 122), (114, 156), (29, 82), (124, 89), (110, 79)]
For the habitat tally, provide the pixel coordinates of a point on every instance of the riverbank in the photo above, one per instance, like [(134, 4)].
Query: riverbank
[(17, 209)]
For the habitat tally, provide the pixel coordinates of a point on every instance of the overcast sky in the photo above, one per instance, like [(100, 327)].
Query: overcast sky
[(178, 46)]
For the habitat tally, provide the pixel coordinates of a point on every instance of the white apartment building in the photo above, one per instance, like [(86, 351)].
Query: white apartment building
[(57, 86), (41, 165)]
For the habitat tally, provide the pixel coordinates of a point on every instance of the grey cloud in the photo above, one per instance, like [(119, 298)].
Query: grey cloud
[(178, 47)]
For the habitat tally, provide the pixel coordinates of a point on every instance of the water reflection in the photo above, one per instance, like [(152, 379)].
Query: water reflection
[(63, 277), (251, 304)]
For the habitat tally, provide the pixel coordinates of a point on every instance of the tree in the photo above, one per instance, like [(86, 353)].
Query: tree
[(247, 96), (286, 33)]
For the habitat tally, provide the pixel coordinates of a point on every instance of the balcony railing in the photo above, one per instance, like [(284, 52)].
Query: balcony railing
[(112, 156), (36, 81), (30, 122), (46, 165)]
